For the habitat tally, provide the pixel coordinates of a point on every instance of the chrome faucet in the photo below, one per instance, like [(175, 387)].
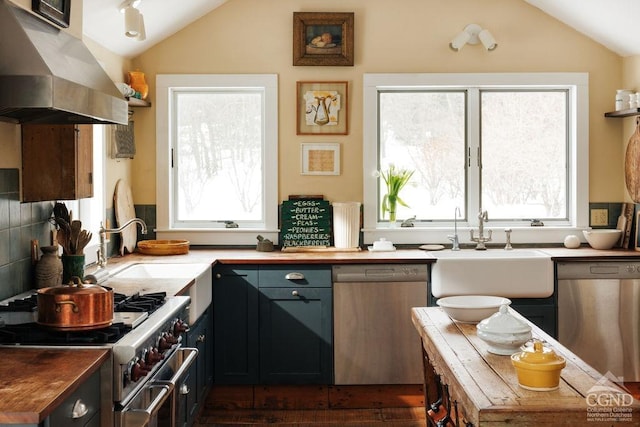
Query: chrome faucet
[(507, 246), (102, 251), (454, 237), (481, 239)]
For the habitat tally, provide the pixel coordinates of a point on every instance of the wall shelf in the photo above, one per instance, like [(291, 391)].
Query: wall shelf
[(623, 113), (135, 102)]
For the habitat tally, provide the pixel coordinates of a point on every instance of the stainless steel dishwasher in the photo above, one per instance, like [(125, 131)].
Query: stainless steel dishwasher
[(599, 314), (374, 339)]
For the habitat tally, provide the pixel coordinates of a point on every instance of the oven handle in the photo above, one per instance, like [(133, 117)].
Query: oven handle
[(140, 417), (186, 364)]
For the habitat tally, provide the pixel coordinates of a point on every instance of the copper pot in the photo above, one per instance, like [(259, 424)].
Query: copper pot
[(75, 307)]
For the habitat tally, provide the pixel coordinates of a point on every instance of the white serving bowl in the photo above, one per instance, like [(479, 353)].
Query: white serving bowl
[(602, 239), (471, 308)]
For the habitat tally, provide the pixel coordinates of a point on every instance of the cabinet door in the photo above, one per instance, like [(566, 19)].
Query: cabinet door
[(199, 337), (57, 162), (543, 316), (235, 324), (295, 336)]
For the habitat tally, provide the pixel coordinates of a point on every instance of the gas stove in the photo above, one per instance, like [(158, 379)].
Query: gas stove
[(18, 321), (146, 342)]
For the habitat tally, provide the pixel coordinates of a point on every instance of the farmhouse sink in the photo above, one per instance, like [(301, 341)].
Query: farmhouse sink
[(200, 292), (517, 273), (161, 271)]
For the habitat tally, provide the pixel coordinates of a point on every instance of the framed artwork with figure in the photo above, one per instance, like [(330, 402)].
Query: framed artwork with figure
[(323, 38), (322, 108)]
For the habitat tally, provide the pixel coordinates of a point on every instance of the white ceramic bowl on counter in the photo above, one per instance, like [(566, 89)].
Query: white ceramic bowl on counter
[(471, 308), (602, 239), (503, 332)]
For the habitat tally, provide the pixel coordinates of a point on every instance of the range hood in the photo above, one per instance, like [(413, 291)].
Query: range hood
[(48, 76)]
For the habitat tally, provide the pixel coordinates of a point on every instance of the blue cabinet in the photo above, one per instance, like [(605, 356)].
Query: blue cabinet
[(235, 324), (295, 336), (273, 324), (200, 375)]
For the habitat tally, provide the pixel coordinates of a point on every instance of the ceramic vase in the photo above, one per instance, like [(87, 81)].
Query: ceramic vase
[(48, 271), (72, 266), (138, 83)]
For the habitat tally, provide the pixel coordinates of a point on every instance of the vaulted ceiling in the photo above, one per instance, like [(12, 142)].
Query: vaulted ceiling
[(613, 23)]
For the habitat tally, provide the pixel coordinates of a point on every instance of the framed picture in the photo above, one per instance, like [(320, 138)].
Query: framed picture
[(322, 108), (56, 11), (320, 159), (322, 38)]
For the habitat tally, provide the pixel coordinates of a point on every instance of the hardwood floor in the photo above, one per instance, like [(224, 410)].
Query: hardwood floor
[(400, 417), (401, 406)]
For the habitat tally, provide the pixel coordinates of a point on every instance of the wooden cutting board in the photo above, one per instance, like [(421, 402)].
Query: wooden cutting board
[(632, 166), (123, 205)]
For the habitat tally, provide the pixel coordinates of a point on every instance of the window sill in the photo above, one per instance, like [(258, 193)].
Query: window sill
[(519, 235), (222, 236)]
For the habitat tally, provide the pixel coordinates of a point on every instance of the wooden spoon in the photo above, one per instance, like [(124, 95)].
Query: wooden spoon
[(64, 235), (83, 239), (76, 227)]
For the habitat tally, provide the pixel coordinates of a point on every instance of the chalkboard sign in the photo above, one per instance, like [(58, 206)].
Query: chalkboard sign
[(305, 222)]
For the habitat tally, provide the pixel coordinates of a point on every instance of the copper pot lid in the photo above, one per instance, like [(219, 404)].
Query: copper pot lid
[(76, 287)]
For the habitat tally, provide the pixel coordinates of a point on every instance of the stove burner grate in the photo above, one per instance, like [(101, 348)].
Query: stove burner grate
[(29, 303), (139, 303), (32, 333)]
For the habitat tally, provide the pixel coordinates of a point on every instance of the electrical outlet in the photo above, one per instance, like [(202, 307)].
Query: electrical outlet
[(599, 217)]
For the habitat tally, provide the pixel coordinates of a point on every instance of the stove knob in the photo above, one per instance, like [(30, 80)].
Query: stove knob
[(166, 342), (138, 371), (153, 356), (172, 339), (180, 327)]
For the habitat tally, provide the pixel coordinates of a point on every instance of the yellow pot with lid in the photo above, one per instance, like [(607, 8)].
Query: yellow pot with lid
[(538, 367)]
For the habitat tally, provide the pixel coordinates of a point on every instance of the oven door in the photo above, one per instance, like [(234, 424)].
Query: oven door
[(157, 403)]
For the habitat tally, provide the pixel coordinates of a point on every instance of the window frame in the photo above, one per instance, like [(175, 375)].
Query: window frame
[(437, 232), (217, 233)]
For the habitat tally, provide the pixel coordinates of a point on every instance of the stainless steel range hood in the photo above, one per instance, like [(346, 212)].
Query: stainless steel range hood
[(48, 76)]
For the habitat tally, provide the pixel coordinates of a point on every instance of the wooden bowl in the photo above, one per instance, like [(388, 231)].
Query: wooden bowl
[(163, 247)]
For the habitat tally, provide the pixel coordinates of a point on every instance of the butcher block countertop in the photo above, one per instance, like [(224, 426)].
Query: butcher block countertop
[(410, 255), (34, 381), (485, 385)]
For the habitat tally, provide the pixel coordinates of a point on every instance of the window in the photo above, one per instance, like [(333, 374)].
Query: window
[(217, 157), (514, 145)]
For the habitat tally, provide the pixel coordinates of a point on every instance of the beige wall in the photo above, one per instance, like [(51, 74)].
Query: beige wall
[(255, 36)]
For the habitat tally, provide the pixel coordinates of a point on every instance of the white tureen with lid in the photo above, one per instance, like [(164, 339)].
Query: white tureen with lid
[(503, 332)]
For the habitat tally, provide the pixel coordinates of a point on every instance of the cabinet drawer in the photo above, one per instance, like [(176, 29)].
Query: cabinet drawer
[(275, 276), (89, 394)]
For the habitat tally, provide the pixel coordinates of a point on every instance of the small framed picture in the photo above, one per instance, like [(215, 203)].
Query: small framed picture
[(320, 159), (322, 38), (56, 11), (322, 108)]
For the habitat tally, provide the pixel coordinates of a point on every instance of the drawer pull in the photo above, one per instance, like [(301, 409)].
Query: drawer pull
[(79, 409), (184, 389), (294, 293), (294, 276)]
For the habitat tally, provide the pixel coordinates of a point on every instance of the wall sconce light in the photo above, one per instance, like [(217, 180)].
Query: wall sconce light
[(133, 20), (473, 34)]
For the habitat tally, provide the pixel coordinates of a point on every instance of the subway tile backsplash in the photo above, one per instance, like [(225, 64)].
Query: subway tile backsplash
[(19, 224)]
